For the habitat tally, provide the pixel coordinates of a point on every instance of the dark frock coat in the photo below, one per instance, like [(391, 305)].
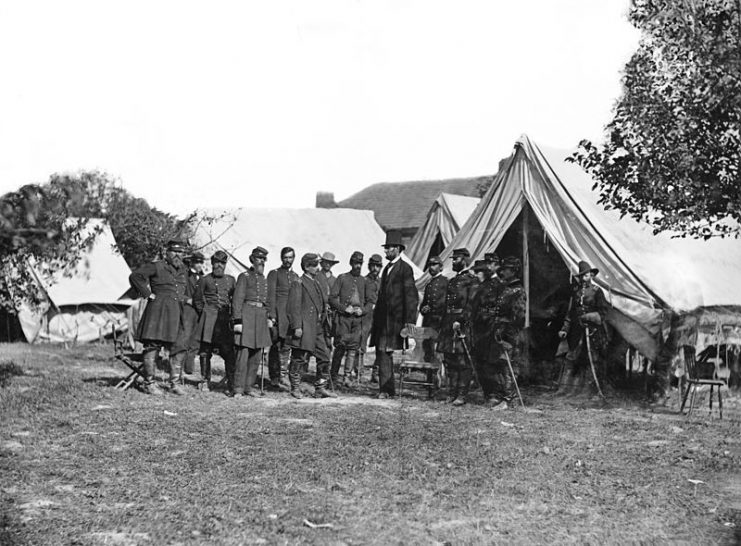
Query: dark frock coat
[(396, 306), (305, 310), (588, 299), (162, 317), (250, 305), (481, 315), (348, 327), (279, 282), (213, 301)]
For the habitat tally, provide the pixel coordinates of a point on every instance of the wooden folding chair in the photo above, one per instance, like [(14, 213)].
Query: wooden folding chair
[(413, 361), (132, 360), (694, 380)]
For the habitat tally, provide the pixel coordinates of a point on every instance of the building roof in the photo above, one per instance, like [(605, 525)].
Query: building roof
[(400, 205)]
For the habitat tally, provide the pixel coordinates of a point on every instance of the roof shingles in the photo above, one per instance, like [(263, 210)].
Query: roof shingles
[(404, 205)]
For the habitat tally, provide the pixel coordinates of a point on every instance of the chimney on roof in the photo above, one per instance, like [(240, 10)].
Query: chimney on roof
[(325, 200)]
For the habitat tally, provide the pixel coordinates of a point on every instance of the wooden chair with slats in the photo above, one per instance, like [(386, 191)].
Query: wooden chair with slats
[(694, 379)]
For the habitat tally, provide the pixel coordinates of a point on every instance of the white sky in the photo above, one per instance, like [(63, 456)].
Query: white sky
[(261, 104)]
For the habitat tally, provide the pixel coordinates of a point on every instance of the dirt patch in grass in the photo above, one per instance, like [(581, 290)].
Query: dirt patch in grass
[(100, 466)]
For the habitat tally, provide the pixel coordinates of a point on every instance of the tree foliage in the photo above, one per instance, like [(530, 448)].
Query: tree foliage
[(672, 152)]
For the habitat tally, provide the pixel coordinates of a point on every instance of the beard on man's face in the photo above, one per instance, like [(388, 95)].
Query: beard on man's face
[(460, 265), (259, 267)]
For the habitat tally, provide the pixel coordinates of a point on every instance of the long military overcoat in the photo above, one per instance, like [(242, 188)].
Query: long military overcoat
[(460, 290), (161, 320), (305, 311), (250, 305), (213, 301), (279, 283)]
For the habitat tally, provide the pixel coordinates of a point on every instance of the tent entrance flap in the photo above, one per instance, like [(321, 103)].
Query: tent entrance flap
[(549, 288)]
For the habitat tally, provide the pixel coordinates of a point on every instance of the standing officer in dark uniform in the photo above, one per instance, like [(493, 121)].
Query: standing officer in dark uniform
[(460, 290), (252, 322), (509, 319), (480, 314), (350, 299), (373, 283), (433, 303), (162, 283), (586, 317), (305, 310), (395, 307), (213, 301), (186, 341), (279, 281), (492, 261)]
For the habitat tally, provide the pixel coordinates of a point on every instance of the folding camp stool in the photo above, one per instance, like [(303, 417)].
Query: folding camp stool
[(413, 361), (132, 360)]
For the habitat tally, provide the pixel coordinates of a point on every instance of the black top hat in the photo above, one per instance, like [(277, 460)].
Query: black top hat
[(393, 238), (584, 268)]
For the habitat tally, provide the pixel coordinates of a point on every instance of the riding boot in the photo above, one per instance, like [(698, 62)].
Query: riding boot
[(176, 362), (349, 363), (452, 385), (149, 360), (205, 359), (295, 379)]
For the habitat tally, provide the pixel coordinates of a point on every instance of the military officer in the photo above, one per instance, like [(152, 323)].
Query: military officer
[(351, 300), (586, 318), (481, 315), (433, 303), (373, 282), (396, 306), (326, 281), (460, 290), (509, 319), (252, 322), (213, 301), (163, 285), (492, 261), (306, 314), (186, 340), (279, 281)]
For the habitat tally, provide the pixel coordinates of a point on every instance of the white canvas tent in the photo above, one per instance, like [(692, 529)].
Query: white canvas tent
[(340, 231), (85, 305), (445, 217), (649, 279)]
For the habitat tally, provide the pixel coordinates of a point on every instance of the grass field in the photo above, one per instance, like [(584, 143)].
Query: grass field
[(82, 463)]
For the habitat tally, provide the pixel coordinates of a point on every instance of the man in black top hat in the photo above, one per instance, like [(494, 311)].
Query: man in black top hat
[(396, 306), (213, 301), (460, 290), (252, 322), (350, 299), (163, 285), (433, 303), (306, 312), (586, 318)]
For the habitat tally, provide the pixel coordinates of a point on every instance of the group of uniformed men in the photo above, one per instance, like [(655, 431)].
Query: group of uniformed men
[(478, 314)]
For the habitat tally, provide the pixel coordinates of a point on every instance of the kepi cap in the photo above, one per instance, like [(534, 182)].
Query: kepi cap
[(375, 259), (259, 252), (176, 245), (461, 252), (357, 257), (219, 256), (481, 265)]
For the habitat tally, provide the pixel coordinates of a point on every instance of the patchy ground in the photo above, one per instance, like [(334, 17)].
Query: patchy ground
[(82, 463)]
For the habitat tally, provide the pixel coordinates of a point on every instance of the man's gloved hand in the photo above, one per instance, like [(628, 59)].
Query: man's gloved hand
[(237, 328), (561, 334), (358, 312), (349, 309), (456, 326), (271, 323), (298, 332), (152, 297), (425, 309)]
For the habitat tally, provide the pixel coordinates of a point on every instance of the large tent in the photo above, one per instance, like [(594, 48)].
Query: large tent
[(238, 231), (543, 208), (445, 217), (85, 304)]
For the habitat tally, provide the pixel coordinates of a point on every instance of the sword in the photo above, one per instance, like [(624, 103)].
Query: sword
[(591, 362), (512, 372), (462, 337)]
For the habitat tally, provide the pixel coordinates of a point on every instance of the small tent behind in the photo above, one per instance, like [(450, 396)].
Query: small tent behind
[(445, 217), (542, 208), (339, 231), (86, 304)]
